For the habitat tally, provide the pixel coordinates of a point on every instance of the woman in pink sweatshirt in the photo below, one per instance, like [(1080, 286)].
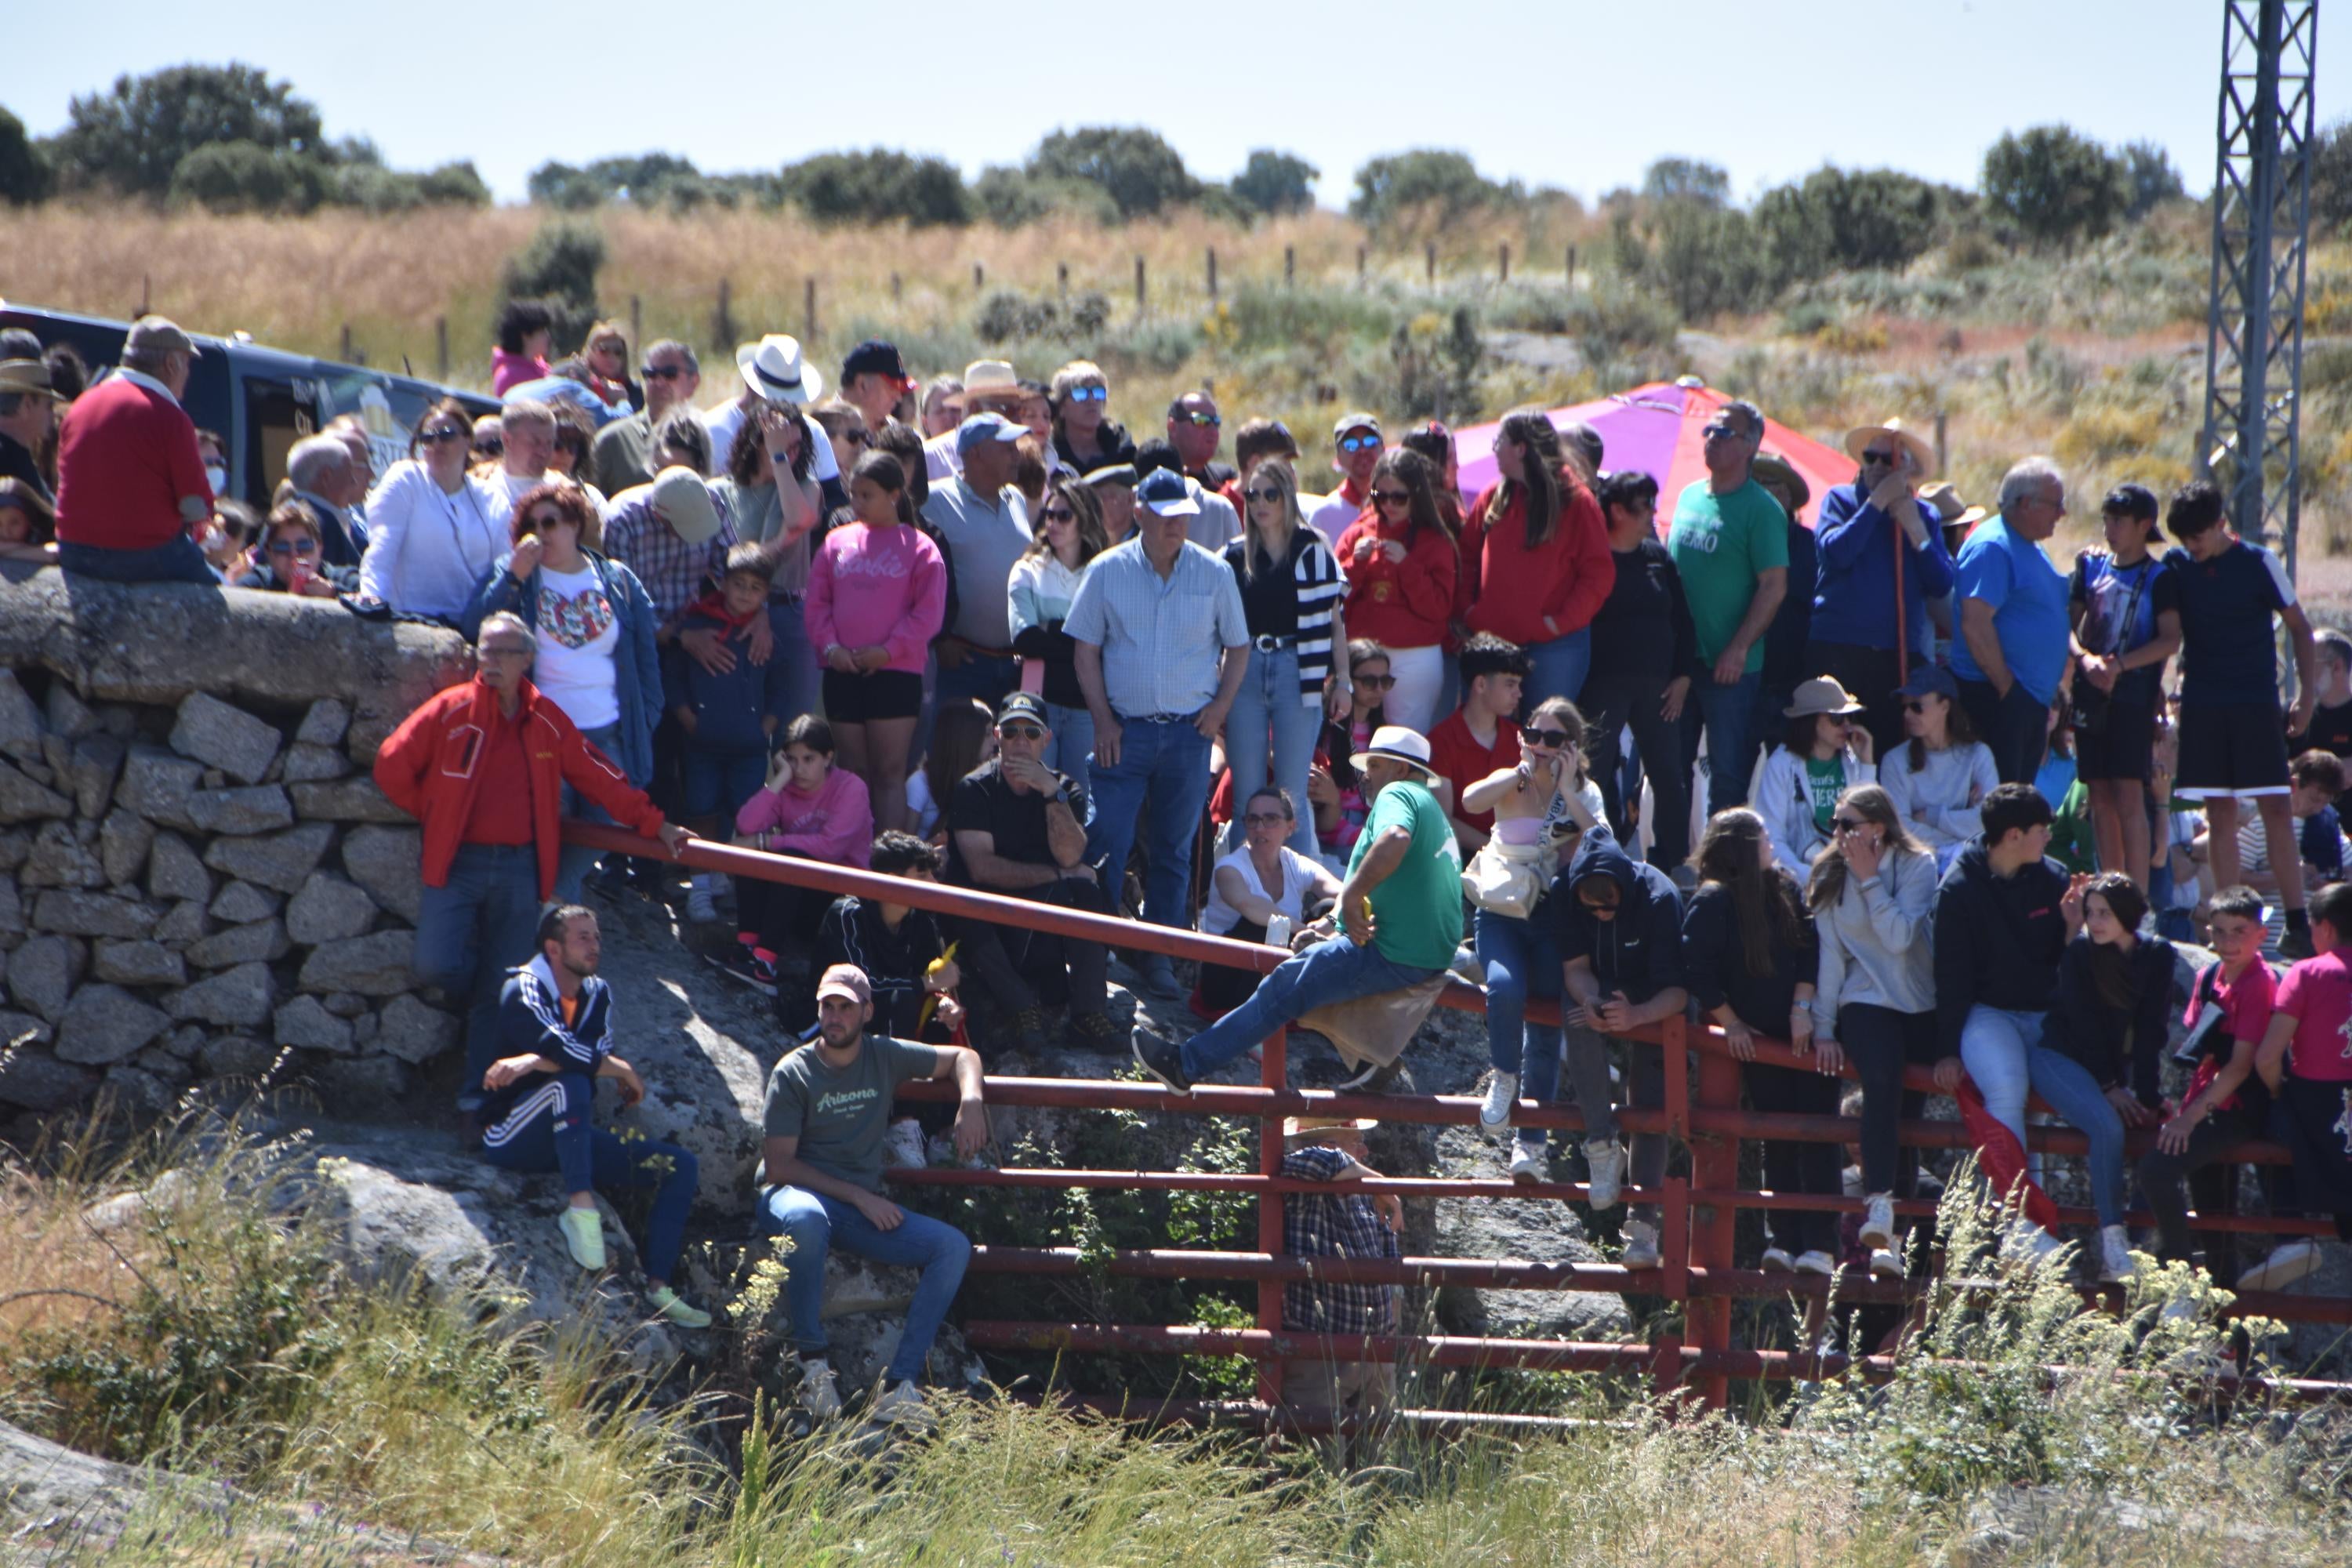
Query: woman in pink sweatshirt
[(878, 594), (809, 808)]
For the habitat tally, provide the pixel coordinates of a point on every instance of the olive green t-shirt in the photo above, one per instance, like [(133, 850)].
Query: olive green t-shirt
[(1719, 543), (839, 1114), (1417, 911)]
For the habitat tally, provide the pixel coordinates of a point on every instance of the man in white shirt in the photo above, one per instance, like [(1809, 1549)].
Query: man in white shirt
[(1357, 444)]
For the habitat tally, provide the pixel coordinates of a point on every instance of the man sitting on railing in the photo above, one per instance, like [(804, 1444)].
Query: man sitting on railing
[(821, 1182), (1342, 1223), (1401, 910)]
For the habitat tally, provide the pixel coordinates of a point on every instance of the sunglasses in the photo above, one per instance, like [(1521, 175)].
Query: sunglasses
[(1719, 432), (661, 372), (1882, 460), (436, 437), (1207, 421), (1359, 443), (1915, 705), (858, 437), (293, 547), (1268, 494), (544, 521), (1847, 824), (1392, 498), (490, 447), (1058, 514), (1098, 394), (1377, 682), (1021, 732), (1531, 736), (1264, 819)]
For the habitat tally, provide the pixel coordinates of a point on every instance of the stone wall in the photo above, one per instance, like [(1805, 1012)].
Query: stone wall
[(198, 878)]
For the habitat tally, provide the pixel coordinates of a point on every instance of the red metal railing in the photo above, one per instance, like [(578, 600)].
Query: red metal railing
[(1702, 1111)]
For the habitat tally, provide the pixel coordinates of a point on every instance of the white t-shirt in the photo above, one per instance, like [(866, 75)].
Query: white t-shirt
[(578, 630), (919, 804), (1218, 917), (1330, 517)]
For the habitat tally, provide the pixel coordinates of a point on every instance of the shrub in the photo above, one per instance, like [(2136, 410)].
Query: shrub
[(1277, 183), (2057, 186), (244, 176), (133, 137), (1445, 182), (1137, 169), (878, 186), (559, 266), (25, 175), (1835, 219), (1010, 197)]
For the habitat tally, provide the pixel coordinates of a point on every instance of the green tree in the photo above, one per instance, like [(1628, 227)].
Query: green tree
[(878, 186), (2055, 185), (2331, 178), (1837, 218), (2154, 180), (1009, 197), (131, 137), (1686, 180), (244, 176), (1143, 176), (1705, 258), (562, 186), (25, 173), (1277, 183), (1445, 182)]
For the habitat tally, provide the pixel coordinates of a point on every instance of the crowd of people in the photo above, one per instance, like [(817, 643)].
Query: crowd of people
[(1952, 801)]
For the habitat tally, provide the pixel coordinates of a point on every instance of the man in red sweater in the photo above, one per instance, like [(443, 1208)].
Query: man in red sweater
[(481, 767), (1482, 736), (130, 483)]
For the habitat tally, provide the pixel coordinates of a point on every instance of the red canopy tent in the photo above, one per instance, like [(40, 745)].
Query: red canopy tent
[(1655, 428)]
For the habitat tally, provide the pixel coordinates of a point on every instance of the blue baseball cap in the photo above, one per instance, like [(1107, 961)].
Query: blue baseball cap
[(1929, 680), (982, 427), (1167, 494)]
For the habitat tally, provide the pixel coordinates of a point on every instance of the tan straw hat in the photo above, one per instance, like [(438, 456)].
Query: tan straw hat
[(1300, 1126), (1858, 441)]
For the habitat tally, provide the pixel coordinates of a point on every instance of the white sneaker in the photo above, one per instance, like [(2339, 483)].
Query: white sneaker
[(902, 1405), (1776, 1260), (1530, 1162), (1816, 1261), (1502, 1094), (820, 1396), (583, 1237), (1878, 1222), (699, 908), (1885, 1263), (2288, 1262), (2116, 1264), (1606, 1162), (902, 1145), (1641, 1245), (2027, 1242)]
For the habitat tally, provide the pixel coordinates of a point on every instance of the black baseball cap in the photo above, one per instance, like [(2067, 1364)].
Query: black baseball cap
[(1023, 705), (873, 357)]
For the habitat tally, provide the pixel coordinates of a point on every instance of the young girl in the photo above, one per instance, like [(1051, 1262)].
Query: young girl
[(809, 808), (1824, 752), (1872, 894), (1749, 951), (2307, 1062), (964, 736), (1290, 600), (1044, 582), (2126, 617), (28, 529), (1942, 772), (877, 595), (1541, 808), (1535, 554), (1332, 787), (1400, 564), (288, 559)]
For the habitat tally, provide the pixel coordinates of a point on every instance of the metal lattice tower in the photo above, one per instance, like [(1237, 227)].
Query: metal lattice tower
[(2261, 222)]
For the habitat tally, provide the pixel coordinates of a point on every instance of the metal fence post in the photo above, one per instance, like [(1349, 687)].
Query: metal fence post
[(1715, 1167), (1273, 1073)]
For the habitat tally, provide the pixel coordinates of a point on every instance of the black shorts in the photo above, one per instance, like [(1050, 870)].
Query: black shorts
[(2232, 748), (2121, 746), (864, 698)]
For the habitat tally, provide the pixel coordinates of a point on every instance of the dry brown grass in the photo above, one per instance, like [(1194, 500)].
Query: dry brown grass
[(58, 1269)]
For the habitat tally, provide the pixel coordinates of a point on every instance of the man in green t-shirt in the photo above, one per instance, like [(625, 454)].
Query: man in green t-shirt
[(1730, 542), (821, 1182), (1399, 915)]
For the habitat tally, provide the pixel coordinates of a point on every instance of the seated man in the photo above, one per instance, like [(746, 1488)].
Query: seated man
[(821, 1182), (1017, 827), (1400, 910), (130, 483), (555, 1024), (1342, 1223)]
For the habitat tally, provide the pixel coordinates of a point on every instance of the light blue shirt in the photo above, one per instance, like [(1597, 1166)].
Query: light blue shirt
[(2028, 595), (1161, 638)]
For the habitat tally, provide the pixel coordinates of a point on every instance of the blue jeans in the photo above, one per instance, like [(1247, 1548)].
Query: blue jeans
[(470, 931), (990, 679), (1556, 669), (573, 861), (1522, 959), (1729, 714), (1270, 701), (1336, 970), (1073, 747), (817, 1223), (174, 561), (2005, 1057), (717, 784), (788, 624), (1167, 759), (595, 1160)]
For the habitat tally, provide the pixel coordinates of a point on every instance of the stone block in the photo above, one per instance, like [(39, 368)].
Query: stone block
[(346, 1004), (20, 721), (137, 1090), (156, 785), (225, 737), (38, 1081), (363, 1085), (346, 800), (60, 860), (25, 799), (164, 1065), (365, 1030), (12, 908), (106, 1024), (15, 845), (173, 871), (329, 909), (23, 1029), (241, 903), (90, 771), (185, 1042), (69, 716), (281, 861), (413, 1032), (187, 922), (41, 975), (324, 724), (258, 808), (374, 966), (148, 962), (263, 941), (125, 841), (238, 998), (306, 763), (92, 914), (385, 860), (234, 1055), (305, 1024)]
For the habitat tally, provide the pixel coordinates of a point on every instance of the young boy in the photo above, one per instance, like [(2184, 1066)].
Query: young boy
[(728, 718), (2331, 719), (2306, 1060), (2232, 744), (2225, 1103)]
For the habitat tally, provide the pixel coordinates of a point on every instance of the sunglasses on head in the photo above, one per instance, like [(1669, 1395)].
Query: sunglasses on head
[(1392, 498), (1530, 735), (446, 433), (1021, 732), (1378, 682), (1359, 443), (1196, 417), (1089, 395), (858, 437)]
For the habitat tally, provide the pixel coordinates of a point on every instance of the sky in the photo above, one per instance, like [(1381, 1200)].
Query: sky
[(1571, 93)]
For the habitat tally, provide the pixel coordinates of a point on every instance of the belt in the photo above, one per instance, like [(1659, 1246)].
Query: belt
[(1271, 644), (1159, 718)]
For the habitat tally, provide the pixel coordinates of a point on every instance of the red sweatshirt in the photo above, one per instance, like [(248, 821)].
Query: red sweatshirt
[(1512, 588), (1404, 604)]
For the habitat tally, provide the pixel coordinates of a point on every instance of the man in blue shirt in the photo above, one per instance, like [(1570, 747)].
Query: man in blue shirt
[(2232, 742), (2014, 636), (1862, 528)]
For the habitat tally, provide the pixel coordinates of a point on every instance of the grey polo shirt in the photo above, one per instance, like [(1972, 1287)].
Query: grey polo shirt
[(1161, 638), (985, 536)]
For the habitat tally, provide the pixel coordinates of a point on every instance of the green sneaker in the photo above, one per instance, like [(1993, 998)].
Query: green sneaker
[(583, 1234), (677, 1310)]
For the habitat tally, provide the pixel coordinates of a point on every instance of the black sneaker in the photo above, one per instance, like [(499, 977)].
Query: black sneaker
[(2295, 942), (1371, 1079), (740, 963), (1164, 1059), (1027, 1027), (1090, 1032)]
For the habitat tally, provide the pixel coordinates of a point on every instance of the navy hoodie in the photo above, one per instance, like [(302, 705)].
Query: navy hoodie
[(730, 710), (1639, 952), (1998, 940)]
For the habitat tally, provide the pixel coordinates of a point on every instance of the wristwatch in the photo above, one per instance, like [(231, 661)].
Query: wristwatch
[(1063, 793)]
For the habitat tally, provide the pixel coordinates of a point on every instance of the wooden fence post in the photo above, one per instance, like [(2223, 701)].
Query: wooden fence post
[(347, 344), (1062, 278), (1943, 421), (1571, 267), (1289, 265), (808, 311), (895, 287), (1212, 272), (978, 277), (1429, 257), (722, 321), (1360, 266), (1139, 283), (637, 326), (441, 348), (1504, 263)]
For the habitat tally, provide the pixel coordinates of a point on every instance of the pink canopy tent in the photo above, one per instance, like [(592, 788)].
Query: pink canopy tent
[(1655, 428)]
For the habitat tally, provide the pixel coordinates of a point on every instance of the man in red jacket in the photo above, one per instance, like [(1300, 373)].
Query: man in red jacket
[(481, 767)]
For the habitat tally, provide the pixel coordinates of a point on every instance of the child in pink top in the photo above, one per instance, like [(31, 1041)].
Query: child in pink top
[(808, 808), (878, 594), (2307, 1060)]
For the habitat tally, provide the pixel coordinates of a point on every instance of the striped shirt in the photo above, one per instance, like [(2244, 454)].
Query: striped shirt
[(1163, 638), (1297, 603)]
